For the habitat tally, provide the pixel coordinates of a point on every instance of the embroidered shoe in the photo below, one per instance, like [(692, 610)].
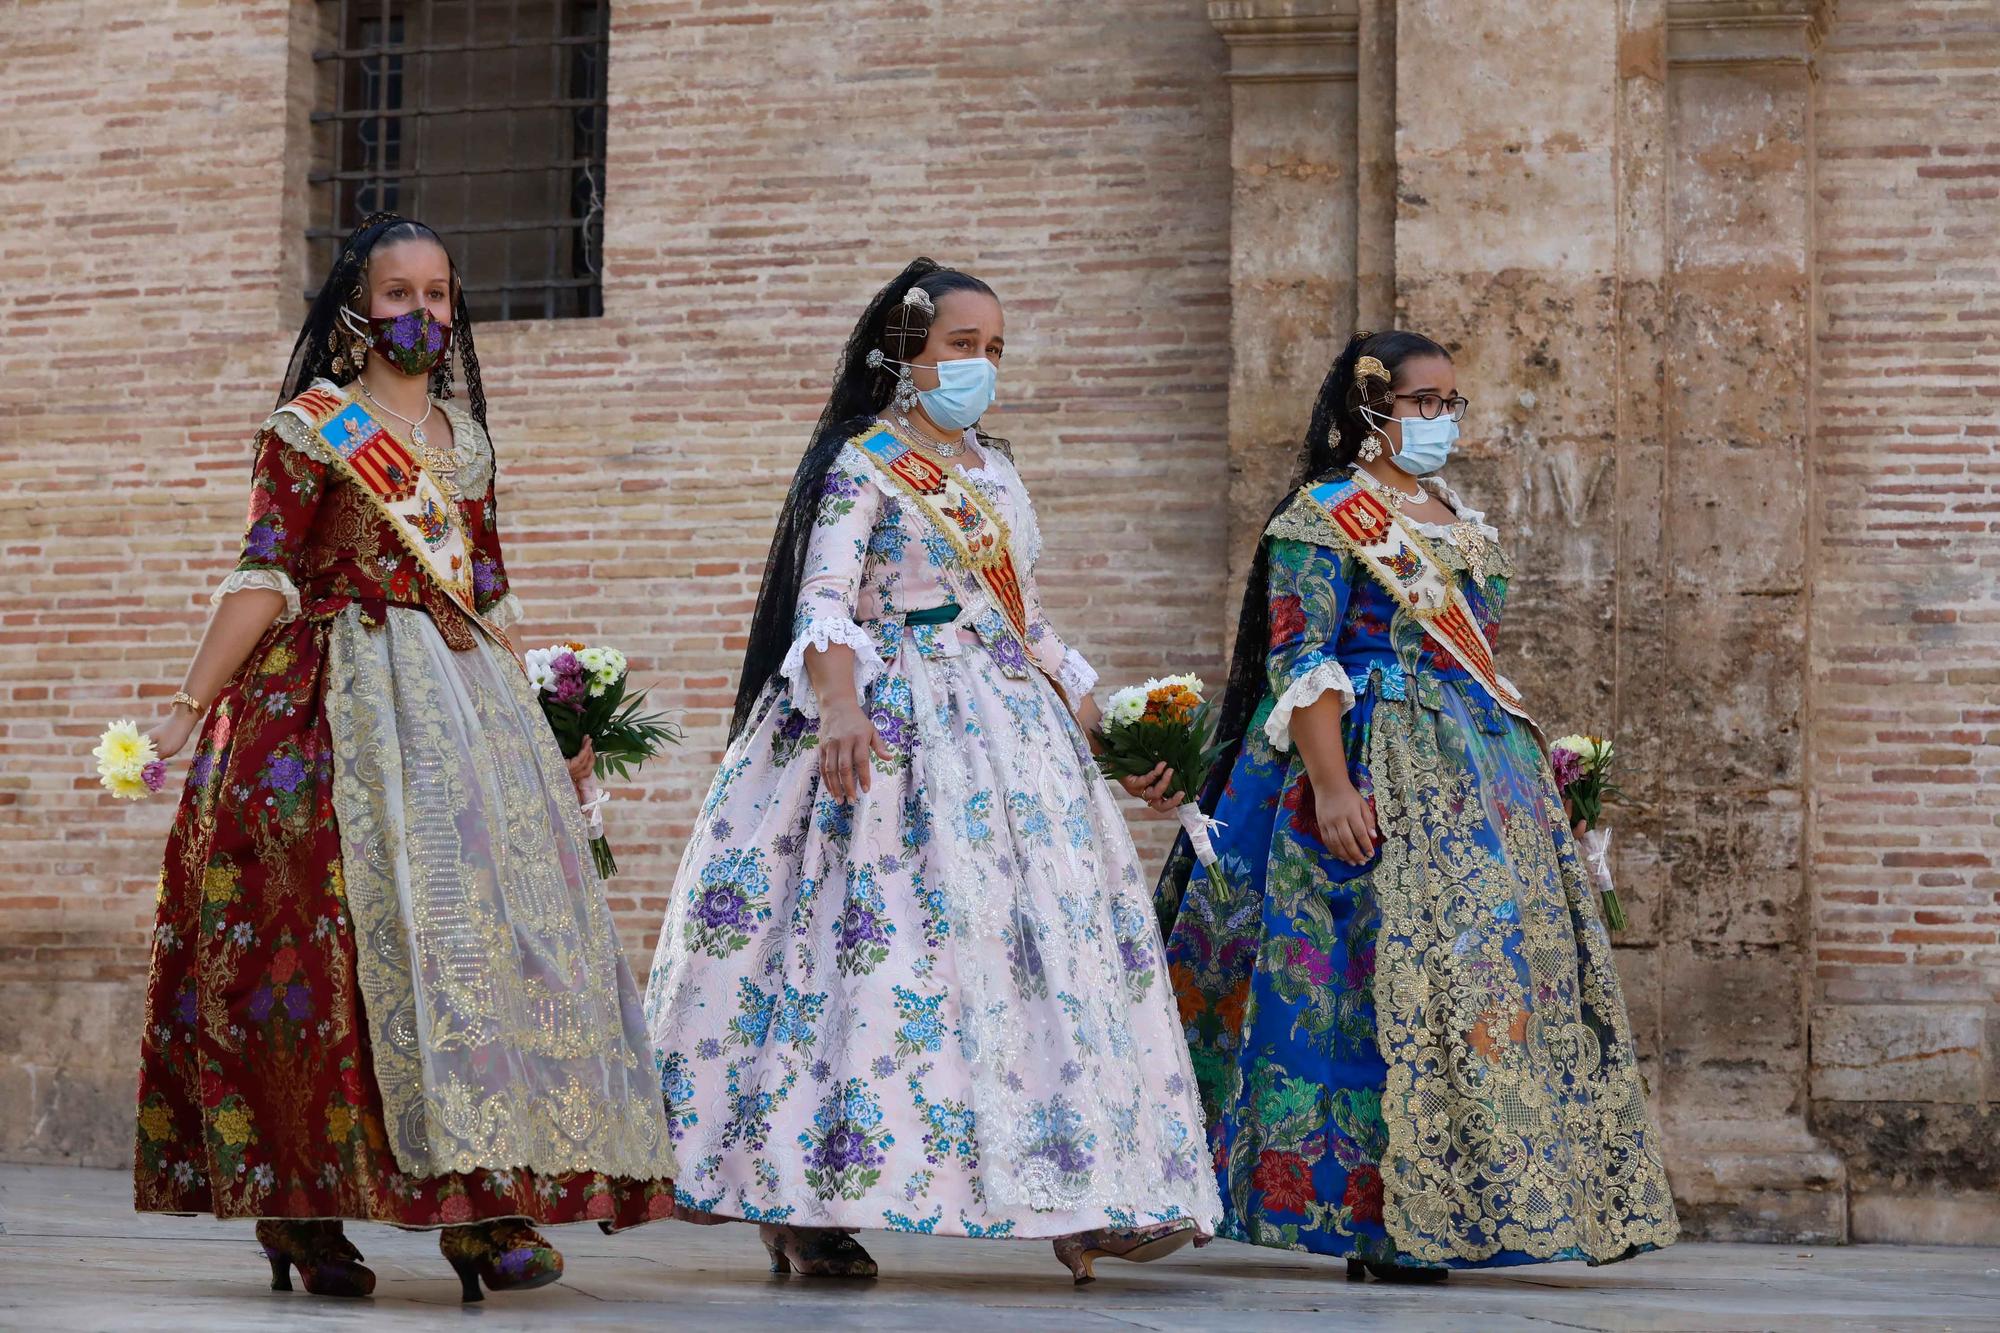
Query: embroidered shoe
[(508, 1255), (1140, 1246), (815, 1252), (327, 1261)]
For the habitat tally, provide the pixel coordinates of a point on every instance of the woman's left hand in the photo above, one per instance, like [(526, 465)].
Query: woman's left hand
[(1152, 788), (580, 767)]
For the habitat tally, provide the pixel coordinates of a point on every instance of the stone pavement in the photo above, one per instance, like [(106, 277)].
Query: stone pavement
[(74, 1256)]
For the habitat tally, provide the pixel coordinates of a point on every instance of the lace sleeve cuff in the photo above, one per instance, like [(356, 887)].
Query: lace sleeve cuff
[(1305, 690), (1076, 676), (267, 580), (822, 633), (506, 612)]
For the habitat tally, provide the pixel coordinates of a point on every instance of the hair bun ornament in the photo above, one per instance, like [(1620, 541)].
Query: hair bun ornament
[(921, 299), (1368, 368), (875, 358)]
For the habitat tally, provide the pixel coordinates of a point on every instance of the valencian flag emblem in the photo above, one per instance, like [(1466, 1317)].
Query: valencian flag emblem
[(377, 456)]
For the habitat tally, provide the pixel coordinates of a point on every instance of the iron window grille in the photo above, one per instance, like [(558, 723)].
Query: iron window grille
[(484, 118)]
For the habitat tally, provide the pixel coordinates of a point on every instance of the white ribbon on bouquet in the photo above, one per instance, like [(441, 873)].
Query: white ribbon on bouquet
[(1198, 826), (1597, 854), (591, 800)]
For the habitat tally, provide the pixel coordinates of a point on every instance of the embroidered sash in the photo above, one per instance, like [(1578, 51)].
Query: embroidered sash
[(1392, 550), (957, 510), (382, 468)]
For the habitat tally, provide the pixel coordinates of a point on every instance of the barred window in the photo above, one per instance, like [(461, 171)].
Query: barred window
[(484, 118)]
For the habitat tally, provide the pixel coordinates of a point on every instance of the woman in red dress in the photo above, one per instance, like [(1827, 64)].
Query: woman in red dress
[(385, 984)]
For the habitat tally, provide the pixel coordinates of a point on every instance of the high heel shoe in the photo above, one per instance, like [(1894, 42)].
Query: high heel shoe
[(1359, 1270), (1140, 1246), (815, 1252), (327, 1261), (508, 1255)]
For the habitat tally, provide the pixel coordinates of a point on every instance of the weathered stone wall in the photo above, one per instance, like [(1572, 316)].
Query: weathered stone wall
[(770, 165)]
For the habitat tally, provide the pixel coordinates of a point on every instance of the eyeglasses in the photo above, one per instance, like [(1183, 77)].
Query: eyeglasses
[(1431, 406)]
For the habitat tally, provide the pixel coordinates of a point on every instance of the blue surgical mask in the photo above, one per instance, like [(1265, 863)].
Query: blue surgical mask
[(964, 392), (1426, 443)]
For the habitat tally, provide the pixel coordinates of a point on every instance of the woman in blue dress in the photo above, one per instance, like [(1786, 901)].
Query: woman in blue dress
[(1405, 1020)]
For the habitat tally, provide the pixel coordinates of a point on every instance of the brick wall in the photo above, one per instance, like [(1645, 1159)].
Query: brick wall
[(770, 165), (1905, 737)]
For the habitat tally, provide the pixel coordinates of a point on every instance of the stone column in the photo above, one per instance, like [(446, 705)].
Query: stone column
[(1736, 932), (1292, 228)]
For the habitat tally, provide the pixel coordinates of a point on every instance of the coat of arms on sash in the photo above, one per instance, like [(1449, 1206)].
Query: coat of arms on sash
[(961, 515), (1396, 554), (401, 490)]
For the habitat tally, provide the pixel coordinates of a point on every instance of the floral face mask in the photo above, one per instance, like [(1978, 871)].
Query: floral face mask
[(413, 342)]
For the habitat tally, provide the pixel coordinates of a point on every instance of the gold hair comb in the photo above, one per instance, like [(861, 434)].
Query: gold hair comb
[(1368, 368)]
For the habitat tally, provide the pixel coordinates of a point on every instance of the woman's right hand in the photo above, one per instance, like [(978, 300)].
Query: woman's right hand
[(172, 732), (846, 740), (1346, 823)]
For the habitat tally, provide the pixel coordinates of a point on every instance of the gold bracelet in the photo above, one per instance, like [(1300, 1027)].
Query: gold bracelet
[(192, 704)]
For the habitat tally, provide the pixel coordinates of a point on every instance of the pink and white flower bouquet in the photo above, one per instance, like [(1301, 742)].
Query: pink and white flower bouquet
[(585, 696), (1582, 767)]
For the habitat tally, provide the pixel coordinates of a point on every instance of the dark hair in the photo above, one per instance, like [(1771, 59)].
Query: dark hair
[(1332, 444), (321, 336), (860, 392)]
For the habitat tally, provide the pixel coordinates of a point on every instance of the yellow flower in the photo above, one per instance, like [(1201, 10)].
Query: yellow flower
[(122, 747), (336, 883), (219, 885), (339, 1122), (233, 1126), (122, 755), (156, 1122), (279, 660)]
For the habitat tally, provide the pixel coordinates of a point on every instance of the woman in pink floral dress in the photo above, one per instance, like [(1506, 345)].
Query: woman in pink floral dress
[(910, 978)]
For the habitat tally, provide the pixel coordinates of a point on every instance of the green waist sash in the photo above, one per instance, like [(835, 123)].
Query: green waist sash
[(933, 615)]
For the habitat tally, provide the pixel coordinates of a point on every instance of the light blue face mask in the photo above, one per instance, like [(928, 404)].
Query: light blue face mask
[(1427, 444), (964, 392)]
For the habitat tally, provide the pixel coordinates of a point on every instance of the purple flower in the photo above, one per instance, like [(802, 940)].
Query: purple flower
[(298, 1002), (260, 1003), (708, 1048), (484, 577), (845, 1145), (839, 485), (1568, 767), (261, 544), (857, 923), (884, 1066), (154, 775), (1318, 968), (1009, 653), (403, 331), (894, 730), (201, 768), (1133, 956), (720, 905), (796, 725), (285, 772), (1360, 967), (184, 1007)]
